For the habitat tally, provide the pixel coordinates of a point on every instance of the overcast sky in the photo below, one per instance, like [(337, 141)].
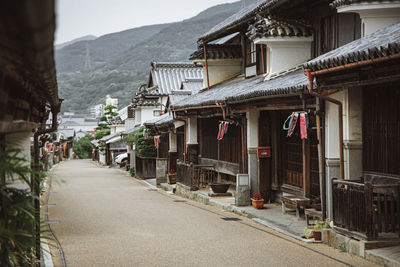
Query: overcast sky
[(76, 18)]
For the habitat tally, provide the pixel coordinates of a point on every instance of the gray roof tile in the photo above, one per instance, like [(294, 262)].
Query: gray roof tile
[(241, 88), (381, 43), (239, 17), (169, 76), (338, 3)]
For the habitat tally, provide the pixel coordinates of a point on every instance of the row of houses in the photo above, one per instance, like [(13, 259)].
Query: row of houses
[(299, 99)]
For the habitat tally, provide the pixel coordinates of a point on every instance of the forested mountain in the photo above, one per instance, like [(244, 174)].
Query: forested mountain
[(118, 63), (83, 38)]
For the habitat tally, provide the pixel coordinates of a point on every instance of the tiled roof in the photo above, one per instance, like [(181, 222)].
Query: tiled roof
[(218, 92), (123, 113), (220, 51), (108, 137), (287, 83), (162, 120), (66, 132), (338, 3), (94, 142), (240, 17), (267, 27), (381, 43), (132, 130), (169, 76), (225, 39), (193, 85), (241, 88)]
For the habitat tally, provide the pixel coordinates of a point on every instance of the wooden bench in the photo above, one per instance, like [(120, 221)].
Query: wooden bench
[(312, 213), (295, 202)]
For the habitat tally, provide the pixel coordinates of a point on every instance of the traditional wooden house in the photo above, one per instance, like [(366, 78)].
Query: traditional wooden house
[(265, 87), (359, 83), (28, 87), (168, 82)]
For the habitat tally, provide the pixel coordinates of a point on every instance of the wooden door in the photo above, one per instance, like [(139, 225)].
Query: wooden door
[(291, 167)]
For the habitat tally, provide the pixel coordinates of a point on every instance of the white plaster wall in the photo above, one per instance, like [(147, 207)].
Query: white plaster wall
[(102, 157), (21, 141), (353, 110), (129, 124), (112, 129), (117, 128), (374, 16), (285, 53), (221, 70), (173, 143), (192, 131), (138, 116), (252, 128), (332, 127), (147, 114)]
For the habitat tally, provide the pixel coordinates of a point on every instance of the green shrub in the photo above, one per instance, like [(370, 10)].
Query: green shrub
[(144, 147), (100, 134), (129, 139), (132, 171), (17, 213), (83, 147)]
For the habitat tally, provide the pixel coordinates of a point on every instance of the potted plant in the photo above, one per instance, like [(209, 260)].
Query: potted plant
[(257, 201), (171, 177), (219, 188), (317, 230)]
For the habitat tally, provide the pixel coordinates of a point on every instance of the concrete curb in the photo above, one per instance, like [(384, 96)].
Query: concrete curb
[(47, 259)]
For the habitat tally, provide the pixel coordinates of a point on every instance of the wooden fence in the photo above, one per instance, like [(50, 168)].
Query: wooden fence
[(195, 176), (145, 167), (368, 210)]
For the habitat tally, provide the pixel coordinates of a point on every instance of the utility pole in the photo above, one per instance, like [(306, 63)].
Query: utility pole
[(88, 60)]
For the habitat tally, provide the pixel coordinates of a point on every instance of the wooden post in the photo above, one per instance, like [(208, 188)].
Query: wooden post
[(398, 208), (274, 147), (321, 159), (306, 159), (368, 191), (244, 56), (333, 198)]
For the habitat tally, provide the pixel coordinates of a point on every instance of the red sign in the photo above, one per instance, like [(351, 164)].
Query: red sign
[(264, 152)]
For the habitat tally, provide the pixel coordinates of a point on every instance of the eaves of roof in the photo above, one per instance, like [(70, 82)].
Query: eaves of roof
[(239, 18), (382, 43), (339, 3)]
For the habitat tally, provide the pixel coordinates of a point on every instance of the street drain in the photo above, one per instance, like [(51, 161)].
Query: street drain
[(231, 219), (179, 200), (151, 189), (49, 205)]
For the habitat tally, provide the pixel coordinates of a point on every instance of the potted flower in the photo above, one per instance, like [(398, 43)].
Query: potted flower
[(171, 177), (257, 201), (317, 230)]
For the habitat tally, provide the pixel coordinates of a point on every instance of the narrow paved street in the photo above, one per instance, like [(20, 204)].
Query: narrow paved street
[(106, 218)]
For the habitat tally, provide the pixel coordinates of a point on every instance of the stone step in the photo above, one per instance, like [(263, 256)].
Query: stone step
[(389, 256)]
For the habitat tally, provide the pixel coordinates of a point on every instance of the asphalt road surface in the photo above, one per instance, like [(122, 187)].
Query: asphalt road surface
[(103, 217)]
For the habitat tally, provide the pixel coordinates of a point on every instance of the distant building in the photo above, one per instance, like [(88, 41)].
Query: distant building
[(98, 110), (78, 123), (112, 101)]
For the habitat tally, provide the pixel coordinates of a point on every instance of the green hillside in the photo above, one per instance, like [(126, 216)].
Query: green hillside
[(118, 63)]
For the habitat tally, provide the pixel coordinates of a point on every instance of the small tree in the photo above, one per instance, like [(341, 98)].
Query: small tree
[(144, 146), (83, 147), (109, 117), (100, 134)]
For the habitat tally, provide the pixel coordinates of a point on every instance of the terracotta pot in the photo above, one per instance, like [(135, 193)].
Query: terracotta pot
[(258, 204), (317, 235)]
